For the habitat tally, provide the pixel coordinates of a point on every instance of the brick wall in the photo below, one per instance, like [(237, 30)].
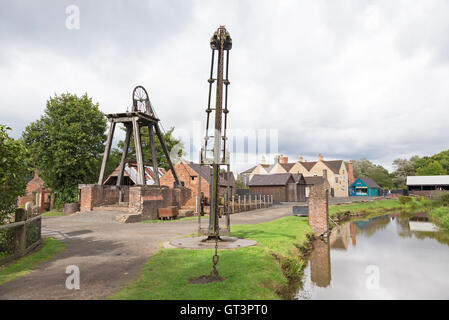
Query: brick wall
[(33, 185), (190, 179), (319, 208), (94, 195)]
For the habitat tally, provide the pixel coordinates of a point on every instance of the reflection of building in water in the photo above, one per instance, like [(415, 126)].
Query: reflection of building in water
[(353, 229), (320, 264), (339, 238)]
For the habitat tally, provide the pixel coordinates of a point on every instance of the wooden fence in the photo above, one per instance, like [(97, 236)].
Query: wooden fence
[(241, 203), (20, 237)]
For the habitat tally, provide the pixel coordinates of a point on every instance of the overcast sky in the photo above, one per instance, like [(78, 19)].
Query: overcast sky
[(348, 79)]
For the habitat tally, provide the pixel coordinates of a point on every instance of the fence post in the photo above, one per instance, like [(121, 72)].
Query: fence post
[(239, 203), (233, 209), (21, 215)]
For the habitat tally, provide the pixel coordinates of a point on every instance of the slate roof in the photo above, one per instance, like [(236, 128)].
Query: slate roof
[(205, 172), (314, 180), (276, 179), (287, 166), (370, 182)]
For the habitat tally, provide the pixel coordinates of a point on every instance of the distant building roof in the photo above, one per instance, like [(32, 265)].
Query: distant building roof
[(205, 172), (277, 179), (369, 182), (427, 180), (131, 171), (287, 166)]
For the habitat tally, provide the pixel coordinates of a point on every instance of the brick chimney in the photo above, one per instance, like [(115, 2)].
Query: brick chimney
[(351, 178), (284, 159), (300, 158), (320, 157), (263, 161)]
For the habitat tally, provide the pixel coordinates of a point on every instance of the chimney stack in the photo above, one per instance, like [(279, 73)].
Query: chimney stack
[(284, 159), (263, 161), (300, 158), (320, 157), (351, 178)]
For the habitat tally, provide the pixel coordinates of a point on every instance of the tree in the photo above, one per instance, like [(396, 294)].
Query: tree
[(365, 168), (404, 168), (66, 143), (174, 146), (13, 172), (442, 158), (433, 168)]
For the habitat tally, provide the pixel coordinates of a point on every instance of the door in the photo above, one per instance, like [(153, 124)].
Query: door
[(292, 192)]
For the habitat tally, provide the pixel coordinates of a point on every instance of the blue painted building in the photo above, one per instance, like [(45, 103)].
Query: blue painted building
[(365, 187)]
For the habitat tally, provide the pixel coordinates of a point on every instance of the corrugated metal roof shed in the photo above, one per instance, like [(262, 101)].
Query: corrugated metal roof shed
[(427, 180)]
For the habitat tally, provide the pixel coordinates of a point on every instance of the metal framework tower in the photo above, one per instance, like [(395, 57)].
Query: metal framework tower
[(217, 156), (142, 114)]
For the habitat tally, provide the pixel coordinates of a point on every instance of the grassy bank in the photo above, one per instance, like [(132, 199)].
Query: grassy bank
[(24, 265), (440, 216), (404, 204), (53, 213), (261, 272)]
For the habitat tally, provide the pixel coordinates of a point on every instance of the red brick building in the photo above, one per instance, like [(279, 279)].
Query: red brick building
[(36, 193), (189, 174)]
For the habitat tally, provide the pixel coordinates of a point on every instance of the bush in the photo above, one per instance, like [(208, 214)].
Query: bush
[(405, 199), (441, 216), (443, 199)]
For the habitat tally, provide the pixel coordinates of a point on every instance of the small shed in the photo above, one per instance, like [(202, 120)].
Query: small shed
[(284, 187), (365, 187)]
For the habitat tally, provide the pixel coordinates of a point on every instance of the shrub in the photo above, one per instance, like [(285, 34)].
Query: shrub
[(405, 199), (443, 199)]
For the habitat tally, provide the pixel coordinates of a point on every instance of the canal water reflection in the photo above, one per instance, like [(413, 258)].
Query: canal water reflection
[(395, 256)]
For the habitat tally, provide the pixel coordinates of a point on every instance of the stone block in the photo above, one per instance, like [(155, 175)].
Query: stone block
[(129, 218), (185, 213)]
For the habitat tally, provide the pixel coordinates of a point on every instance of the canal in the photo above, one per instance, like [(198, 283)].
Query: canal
[(395, 256)]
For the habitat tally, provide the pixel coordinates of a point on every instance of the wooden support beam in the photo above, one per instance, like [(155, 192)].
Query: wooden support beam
[(167, 155), (124, 155), (153, 155), (139, 156), (107, 150)]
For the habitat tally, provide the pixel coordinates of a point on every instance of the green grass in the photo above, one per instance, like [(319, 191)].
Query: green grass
[(260, 272), (24, 265), (364, 207), (53, 213), (440, 216)]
